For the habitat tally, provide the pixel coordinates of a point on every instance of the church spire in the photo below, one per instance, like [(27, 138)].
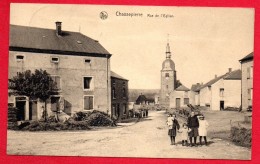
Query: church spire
[(168, 51)]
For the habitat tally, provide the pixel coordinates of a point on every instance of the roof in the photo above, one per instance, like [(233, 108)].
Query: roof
[(247, 57), (141, 98), (234, 75), (115, 75), (194, 87), (182, 88), (33, 39), (227, 76)]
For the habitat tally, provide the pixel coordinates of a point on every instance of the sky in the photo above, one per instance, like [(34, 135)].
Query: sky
[(204, 41)]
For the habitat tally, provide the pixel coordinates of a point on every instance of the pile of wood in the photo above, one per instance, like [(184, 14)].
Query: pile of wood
[(12, 118)]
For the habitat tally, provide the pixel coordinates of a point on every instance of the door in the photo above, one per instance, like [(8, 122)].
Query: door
[(118, 110), (178, 102), (33, 110), (20, 105), (222, 105), (55, 104)]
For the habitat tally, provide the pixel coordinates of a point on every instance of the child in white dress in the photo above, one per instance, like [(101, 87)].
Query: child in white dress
[(203, 125), (184, 134)]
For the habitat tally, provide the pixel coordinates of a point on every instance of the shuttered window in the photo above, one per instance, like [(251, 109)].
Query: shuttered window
[(88, 102), (186, 101)]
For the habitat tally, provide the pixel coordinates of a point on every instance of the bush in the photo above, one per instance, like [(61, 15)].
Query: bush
[(55, 126), (97, 118), (231, 109), (241, 136)]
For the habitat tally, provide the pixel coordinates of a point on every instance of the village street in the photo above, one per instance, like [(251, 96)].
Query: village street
[(147, 138)]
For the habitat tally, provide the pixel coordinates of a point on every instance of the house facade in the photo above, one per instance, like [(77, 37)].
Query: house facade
[(247, 65), (181, 97), (78, 64), (119, 96), (221, 92)]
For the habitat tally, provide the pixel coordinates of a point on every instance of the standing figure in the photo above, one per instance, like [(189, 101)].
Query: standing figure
[(184, 134), (173, 126), (193, 125), (203, 129)]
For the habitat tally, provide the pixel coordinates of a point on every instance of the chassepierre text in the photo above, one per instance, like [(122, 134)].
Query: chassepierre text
[(118, 13)]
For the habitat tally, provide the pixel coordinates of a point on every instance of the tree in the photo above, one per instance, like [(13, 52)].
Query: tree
[(34, 85)]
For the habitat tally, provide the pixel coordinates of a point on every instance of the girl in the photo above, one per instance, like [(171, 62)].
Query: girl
[(203, 125), (173, 126), (184, 134)]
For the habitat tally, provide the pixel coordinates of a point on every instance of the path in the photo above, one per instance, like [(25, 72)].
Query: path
[(147, 138)]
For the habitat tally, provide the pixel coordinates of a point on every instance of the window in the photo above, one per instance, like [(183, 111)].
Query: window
[(167, 75), (19, 58), (209, 87), (124, 108), (186, 101), (221, 92), (87, 61), (250, 72), (167, 86), (114, 93), (54, 59), (57, 81), (87, 83), (88, 102), (124, 93), (113, 82)]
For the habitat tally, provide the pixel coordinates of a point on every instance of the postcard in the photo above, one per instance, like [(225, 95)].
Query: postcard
[(130, 81)]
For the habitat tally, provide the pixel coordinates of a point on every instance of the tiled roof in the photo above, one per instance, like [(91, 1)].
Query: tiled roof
[(182, 88), (194, 87), (234, 75), (115, 75), (141, 98), (228, 76), (39, 39), (247, 57)]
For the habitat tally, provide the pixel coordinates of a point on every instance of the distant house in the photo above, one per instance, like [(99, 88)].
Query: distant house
[(119, 95), (180, 97), (221, 92), (141, 100), (247, 65), (195, 93), (78, 64)]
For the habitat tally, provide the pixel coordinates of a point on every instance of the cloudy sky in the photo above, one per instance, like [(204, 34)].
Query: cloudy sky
[(204, 41)]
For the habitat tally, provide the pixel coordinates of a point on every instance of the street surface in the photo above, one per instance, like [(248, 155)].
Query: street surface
[(147, 138)]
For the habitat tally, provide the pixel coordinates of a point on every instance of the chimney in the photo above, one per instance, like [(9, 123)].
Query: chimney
[(229, 70), (58, 28), (216, 76)]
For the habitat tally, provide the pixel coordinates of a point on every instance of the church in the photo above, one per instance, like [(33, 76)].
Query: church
[(168, 78), (172, 94)]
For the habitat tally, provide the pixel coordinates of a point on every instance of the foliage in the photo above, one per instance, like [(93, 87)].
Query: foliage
[(241, 136), (34, 85), (178, 83)]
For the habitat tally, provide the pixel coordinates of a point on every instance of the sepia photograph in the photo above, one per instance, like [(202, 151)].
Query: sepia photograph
[(130, 81)]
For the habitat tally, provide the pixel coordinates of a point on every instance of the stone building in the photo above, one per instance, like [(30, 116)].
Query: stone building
[(168, 79), (220, 92), (119, 96), (180, 97), (78, 64), (247, 64)]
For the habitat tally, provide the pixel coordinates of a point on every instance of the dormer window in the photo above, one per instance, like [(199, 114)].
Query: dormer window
[(55, 60), (19, 57)]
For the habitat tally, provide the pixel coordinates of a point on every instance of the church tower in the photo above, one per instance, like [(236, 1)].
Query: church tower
[(168, 79)]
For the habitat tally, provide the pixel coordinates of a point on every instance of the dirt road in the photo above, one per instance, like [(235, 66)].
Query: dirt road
[(147, 138)]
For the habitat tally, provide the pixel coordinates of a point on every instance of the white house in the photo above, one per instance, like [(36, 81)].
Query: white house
[(221, 92)]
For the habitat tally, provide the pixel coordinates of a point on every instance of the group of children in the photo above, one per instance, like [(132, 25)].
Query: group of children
[(188, 131)]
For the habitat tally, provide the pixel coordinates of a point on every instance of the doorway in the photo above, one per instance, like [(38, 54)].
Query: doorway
[(33, 110), (20, 105), (222, 105), (178, 102)]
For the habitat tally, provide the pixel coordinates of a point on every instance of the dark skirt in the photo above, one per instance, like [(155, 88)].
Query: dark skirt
[(172, 132), (194, 132)]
